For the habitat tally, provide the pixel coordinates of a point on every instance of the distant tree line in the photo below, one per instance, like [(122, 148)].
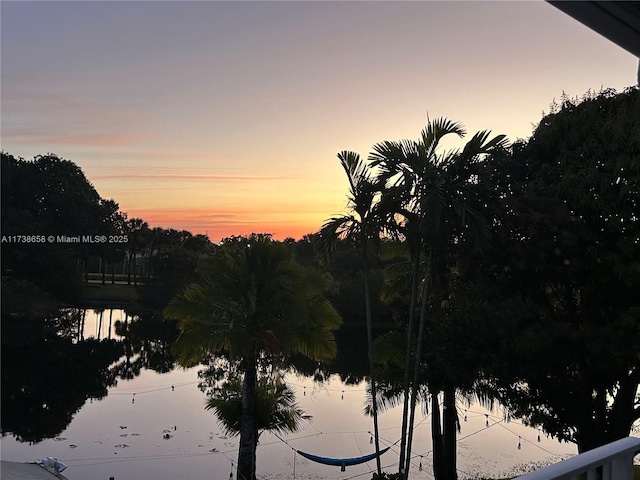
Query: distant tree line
[(48, 200), (50, 196)]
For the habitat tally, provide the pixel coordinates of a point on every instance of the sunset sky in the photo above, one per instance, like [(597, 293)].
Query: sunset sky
[(225, 117)]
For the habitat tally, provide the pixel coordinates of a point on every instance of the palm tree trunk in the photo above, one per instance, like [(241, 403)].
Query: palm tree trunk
[(439, 470), (100, 323), (449, 433), (255, 449), (374, 402), (129, 267), (247, 450), (85, 265), (407, 367), (416, 370), (135, 270)]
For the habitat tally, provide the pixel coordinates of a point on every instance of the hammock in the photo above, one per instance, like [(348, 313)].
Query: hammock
[(342, 462)]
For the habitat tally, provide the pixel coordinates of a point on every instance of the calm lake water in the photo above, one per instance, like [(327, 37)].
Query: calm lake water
[(154, 426)]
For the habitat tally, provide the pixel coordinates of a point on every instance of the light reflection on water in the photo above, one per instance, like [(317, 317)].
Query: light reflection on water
[(155, 427), (101, 324)]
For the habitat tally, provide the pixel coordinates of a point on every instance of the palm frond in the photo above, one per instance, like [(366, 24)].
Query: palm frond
[(255, 298), (334, 229), (397, 282), (437, 129), (479, 145), (355, 169), (391, 348)]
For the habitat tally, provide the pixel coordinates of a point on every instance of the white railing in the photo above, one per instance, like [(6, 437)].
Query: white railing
[(615, 460)]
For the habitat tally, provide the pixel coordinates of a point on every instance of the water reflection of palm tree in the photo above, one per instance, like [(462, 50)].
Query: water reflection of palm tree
[(276, 408), (253, 303)]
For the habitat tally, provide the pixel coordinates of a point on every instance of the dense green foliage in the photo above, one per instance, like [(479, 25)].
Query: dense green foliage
[(48, 196), (567, 272)]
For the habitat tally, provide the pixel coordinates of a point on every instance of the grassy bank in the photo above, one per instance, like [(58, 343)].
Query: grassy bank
[(118, 277), (110, 295)]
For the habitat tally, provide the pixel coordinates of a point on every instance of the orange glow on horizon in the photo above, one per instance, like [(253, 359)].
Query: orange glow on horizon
[(219, 224)]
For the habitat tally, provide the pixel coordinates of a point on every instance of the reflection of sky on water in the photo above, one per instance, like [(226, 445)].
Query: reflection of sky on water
[(98, 322), (165, 433)]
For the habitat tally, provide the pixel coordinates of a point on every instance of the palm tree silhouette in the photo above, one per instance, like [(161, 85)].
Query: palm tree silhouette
[(363, 227), (441, 203), (253, 303)]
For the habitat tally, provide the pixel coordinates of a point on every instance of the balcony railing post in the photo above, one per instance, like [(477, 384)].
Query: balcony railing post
[(622, 467)]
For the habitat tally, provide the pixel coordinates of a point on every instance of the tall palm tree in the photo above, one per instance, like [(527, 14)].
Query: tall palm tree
[(362, 227), (403, 213), (442, 192), (253, 302)]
